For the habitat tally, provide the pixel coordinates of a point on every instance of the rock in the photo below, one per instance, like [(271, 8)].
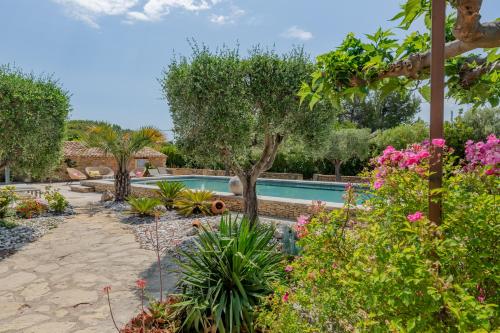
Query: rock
[(235, 185), (107, 196), (16, 280), (192, 232)]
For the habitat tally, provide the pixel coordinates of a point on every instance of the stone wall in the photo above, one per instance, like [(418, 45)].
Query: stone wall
[(210, 172), (344, 179), (273, 207)]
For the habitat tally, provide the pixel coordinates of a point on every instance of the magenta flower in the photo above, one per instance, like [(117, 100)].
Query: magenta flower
[(438, 142), (415, 216), (302, 220), (285, 297), (378, 184), (288, 268)]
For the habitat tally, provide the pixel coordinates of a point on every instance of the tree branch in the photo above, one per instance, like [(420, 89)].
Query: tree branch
[(271, 144), (470, 33)]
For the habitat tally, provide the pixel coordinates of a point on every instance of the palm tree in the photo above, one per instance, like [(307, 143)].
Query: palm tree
[(122, 145)]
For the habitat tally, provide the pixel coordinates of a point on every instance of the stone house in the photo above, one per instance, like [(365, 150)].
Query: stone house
[(79, 156)]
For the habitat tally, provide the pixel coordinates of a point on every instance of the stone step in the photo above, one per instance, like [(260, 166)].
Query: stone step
[(82, 189)]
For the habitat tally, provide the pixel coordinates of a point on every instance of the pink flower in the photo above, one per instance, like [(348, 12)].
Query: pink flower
[(438, 142), (302, 220), (141, 284), (285, 297), (481, 298), (334, 265), (415, 216), (288, 268), (378, 184), (106, 289)]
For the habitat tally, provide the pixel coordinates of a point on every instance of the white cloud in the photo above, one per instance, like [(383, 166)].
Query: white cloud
[(297, 33), (155, 9), (230, 18), (89, 10)]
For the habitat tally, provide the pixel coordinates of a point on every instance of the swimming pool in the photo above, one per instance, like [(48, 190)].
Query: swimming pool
[(293, 189)]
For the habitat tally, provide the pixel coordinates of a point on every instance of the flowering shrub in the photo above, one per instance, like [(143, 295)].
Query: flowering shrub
[(387, 267), (28, 208), (7, 197), (484, 154), (56, 201)]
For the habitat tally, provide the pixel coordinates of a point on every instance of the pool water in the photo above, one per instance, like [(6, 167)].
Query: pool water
[(305, 190)]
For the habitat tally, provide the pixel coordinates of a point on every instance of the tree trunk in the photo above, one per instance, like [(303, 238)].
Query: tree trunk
[(337, 164), (122, 185), (251, 204)]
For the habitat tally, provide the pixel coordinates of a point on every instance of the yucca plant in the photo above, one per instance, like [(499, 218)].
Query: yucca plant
[(194, 202), (169, 192), (227, 274), (143, 206)]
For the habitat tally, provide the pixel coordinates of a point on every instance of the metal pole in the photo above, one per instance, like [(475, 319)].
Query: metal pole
[(437, 105)]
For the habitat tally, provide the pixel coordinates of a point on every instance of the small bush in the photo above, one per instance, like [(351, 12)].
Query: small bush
[(57, 202), (194, 202), (143, 206), (29, 208), (7, 197), (169, 192), (228, 274)]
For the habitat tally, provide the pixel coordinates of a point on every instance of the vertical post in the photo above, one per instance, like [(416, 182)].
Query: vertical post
[(437, 105), (7, 174)]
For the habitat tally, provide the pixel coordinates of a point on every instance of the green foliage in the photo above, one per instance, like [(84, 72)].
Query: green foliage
[(223, 105), (475, 124), (194, 202), (175, 157), (348, 143), (76, 129), (32, 115), (400, 136), (57, 202), (122, 145), (229, 272), (7, 198), (143, 206), (360, 65), (28, 208), (170, 192), (384, 272), (377, 112)]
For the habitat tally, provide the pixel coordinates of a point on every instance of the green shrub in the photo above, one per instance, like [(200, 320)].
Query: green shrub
[(57, 202), (7, 197), (227, 275), (28, 208), (175, 158), (143, 206), (391, 269), (169, 192), (194, 202)]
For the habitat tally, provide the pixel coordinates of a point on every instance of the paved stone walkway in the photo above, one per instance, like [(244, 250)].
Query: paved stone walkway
[(54, 285)]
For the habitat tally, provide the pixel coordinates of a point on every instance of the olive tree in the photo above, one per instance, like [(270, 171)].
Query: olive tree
[(33, 111), (345, 144), (239, 110)]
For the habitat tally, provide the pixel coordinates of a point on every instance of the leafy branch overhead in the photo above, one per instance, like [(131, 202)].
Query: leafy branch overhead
[(383, 63)]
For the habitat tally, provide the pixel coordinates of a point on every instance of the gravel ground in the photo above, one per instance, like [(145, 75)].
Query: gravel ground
[(26, 231), (175, 231)]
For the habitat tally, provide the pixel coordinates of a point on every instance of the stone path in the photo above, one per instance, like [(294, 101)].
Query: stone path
[(54, 285)]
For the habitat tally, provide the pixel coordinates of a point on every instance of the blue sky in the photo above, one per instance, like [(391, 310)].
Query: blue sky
[(110, 53)]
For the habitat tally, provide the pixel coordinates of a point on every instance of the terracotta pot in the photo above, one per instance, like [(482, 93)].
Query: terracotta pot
[(218, 207)]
